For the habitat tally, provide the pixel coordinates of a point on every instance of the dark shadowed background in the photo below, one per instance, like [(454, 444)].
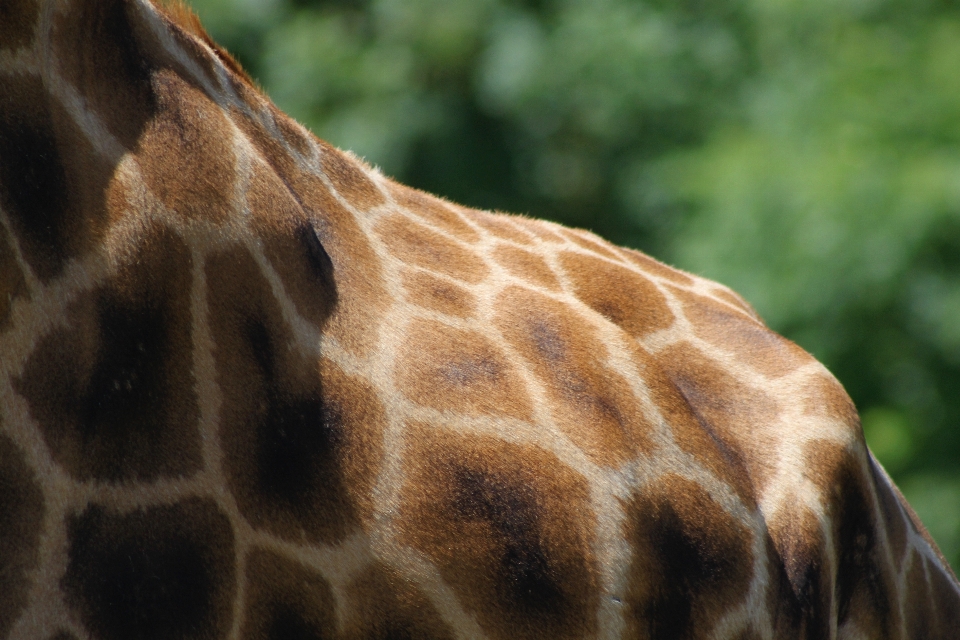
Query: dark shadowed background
[(804, 152)]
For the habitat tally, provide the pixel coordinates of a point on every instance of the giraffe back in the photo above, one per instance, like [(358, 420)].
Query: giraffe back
[(250, 388)]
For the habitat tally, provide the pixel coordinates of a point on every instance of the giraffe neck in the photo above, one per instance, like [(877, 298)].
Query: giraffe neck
[(250, 388)]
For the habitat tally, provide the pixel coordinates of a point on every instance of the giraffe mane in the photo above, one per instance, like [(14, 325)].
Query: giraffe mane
[(182, 16)]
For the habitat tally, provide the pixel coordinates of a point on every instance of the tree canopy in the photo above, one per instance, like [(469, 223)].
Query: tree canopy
[(804, 152)]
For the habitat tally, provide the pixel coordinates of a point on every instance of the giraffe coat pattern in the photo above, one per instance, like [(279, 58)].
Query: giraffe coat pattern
[(250, 388)]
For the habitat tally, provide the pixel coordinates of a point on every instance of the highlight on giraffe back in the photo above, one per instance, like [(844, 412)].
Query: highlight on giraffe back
[(252, 388)]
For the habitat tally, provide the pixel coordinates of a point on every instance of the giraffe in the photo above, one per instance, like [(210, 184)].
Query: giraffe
[(251, 388)]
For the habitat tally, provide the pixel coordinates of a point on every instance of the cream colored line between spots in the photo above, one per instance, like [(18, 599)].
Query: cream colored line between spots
[(30, 278), (754, 609), (46, 311), (339, 565), (23, 61), (425, 574), (613, 555), (93, 128), (163, 34)]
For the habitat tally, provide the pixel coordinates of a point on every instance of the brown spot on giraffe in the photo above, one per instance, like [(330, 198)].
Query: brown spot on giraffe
[(97, 52), (161, 572), (431, 292), (52, 182), (591, 403), (301, 440), (434, 211), (692, 561), (21, 519), (112, 393), (726, 408), (413, 243), (286, 601), (623, 297), (526, 265), (515, 544), (386, 605), (186, 150), (688, 432), (457, 370)]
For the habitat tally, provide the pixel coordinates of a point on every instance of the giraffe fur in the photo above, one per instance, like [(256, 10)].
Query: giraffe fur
[(251, 388)]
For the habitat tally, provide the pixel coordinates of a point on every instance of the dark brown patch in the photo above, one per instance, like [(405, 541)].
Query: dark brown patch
[(462, 371), (113, 392), (623, 297), (18, 22), (292, 245), (735, 416), (52, 182), (163, 572), (413, 243), (433, 210), (361, 296), (688, 431), (655, 267), (349, 179), (286, 601), (746, 339), (802, 596), (590, 402), (186, 156), (526, 266), (692, 561), (510, 529), (98, 55), (13, 285), (301, 439), (499, 225), (21, 519), (429, 291), (592, 243), (388, 606), (865, 586)]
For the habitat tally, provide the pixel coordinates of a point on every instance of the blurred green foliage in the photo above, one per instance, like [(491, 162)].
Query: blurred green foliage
[(805, 152)]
